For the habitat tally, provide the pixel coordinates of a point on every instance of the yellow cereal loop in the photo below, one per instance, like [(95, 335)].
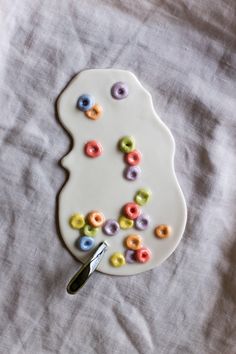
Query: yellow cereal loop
[(117, 259), (125, 223), (77, 221)]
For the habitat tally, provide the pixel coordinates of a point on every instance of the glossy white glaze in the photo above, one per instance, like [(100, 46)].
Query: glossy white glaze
[(98, 184)]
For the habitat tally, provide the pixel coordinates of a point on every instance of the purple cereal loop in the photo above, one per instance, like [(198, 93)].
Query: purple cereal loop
[(111, 227), (131, 173), (142, 222), (119, 90), (130, 256)]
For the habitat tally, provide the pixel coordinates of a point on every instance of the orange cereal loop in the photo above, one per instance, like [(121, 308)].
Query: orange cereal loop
[(133, 242), (96, 219), (162, 231), (95, 112)]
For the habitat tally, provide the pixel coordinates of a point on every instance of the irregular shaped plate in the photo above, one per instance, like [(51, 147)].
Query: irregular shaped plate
[(98, 184)]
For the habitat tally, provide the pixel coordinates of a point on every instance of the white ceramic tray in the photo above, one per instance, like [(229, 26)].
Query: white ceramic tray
[(98, 184)]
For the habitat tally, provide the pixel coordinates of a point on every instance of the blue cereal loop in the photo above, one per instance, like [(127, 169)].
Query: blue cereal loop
[(86, 243), (85, 102)]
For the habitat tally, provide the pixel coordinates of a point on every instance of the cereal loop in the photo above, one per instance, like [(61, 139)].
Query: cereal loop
[(125, 223), (119, 90), (96, 219), (131, 211), (143, 196), (77, 221), (85, 243), (131, 173), (117, 259), (127, 144), (133, 158), (130, 256), (85, 102), (143, 255), (162, 231), (111, 227), (89, 230), (95, 112), (133, 242), (142, 222), (93, 149)]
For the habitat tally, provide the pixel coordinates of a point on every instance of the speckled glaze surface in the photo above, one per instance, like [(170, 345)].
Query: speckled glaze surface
[(99, 184)]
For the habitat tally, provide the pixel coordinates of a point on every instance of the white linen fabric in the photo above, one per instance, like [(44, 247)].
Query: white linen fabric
[(184, 53)]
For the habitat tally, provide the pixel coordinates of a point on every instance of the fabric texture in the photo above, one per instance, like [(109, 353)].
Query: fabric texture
[(184, 53)]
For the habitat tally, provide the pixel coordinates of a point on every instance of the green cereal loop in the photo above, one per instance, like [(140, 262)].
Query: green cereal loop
[(127, 144), (89, 230), (143, 196)]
